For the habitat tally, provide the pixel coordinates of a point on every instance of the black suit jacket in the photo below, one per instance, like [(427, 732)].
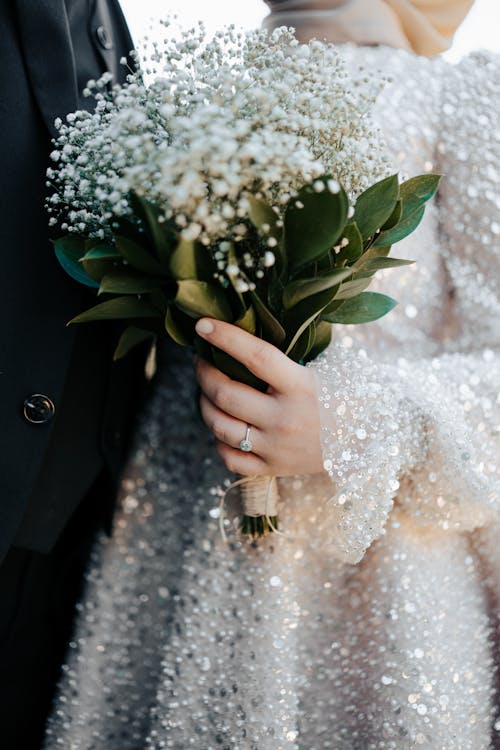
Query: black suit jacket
[(48, 49)]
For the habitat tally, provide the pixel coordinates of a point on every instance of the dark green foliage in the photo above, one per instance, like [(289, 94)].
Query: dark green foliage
[(324, 263)]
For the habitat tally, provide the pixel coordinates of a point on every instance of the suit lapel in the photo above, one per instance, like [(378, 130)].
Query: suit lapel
[(49, 58)]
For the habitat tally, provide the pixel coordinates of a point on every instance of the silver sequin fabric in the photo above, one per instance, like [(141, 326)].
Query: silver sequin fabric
[(371, 622)]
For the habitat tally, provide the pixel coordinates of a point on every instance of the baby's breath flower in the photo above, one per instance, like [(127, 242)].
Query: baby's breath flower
[(220, 119), (232, 269), (269, 259)]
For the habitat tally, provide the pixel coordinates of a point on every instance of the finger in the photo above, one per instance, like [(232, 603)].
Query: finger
[(229, 430), (239, 462), (237, 399), (262, 359)]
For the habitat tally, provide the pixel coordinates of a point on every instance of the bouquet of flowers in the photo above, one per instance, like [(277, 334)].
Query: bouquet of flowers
[(246, 183)]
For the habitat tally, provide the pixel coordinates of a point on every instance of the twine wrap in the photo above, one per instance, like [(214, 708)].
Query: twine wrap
[(259, 497)]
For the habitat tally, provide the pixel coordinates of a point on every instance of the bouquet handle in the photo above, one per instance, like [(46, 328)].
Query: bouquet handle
[(259, 497)]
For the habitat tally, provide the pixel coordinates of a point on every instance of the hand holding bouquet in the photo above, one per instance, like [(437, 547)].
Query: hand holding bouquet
[(245, 183)]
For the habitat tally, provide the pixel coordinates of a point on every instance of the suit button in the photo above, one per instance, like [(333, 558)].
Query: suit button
[(39, 409), (104, 37)]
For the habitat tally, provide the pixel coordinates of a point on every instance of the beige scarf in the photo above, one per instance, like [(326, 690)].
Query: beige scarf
[(424, 26)]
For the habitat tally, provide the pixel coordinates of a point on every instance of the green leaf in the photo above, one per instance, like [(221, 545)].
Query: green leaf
[(117, 309), (353, 250), (364, 275), (138, 256), (130, 338), (235, 370), (99, 260), (91, 242), (418, 190), (415, 193), (406, 226), (183, 260), (303, 314), (322, 265), (162, 237), (379, 264), (260, 213), (134, 230), (125, 282), (199, 299), (364, 308), (272, 330), (101, 252), (97, 269), (351, 288), (322, 338), (371, 252), (68, 251), (395, 216), (375, 205), (180, 327), (189, 260), (331, 307), (312, 230), (300, 330), (298, 290), (248, 321), (303, 343), (274, 289)]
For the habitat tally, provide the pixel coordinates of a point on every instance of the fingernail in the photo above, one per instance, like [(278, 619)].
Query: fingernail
[(204, 327)]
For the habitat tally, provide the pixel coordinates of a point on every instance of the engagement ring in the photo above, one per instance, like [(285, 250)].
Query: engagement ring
[(246, 443)]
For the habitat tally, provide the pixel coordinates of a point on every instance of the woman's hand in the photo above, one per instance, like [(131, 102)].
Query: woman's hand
[(284, 421)]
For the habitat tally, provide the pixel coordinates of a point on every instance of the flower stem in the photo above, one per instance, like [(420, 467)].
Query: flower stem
[(258, 526)]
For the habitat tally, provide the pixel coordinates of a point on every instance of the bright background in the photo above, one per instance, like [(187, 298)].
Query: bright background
[(480, 30)]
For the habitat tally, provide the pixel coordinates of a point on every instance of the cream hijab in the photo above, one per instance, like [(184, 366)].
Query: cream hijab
[(424, 26)]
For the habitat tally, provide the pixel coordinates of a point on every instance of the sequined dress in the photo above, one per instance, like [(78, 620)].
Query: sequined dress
[(371, 623)]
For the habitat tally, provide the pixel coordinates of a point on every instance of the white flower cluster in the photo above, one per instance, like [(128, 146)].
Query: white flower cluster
[(223, 117)]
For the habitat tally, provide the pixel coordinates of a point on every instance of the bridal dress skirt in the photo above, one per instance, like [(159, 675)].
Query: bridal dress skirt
[(185, 641)]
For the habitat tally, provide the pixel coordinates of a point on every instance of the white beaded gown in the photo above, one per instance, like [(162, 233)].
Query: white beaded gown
[(371, 624)]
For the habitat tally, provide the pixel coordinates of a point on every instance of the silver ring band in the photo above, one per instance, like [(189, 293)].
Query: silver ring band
[(246, 444)]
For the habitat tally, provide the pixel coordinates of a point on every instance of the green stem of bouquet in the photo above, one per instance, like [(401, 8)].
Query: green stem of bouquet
[(258, 526)]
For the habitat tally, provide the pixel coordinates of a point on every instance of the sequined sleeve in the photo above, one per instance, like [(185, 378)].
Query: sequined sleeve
[(423, 432)]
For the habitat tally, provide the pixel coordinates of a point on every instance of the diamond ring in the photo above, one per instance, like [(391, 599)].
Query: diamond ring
[(246, 443)]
